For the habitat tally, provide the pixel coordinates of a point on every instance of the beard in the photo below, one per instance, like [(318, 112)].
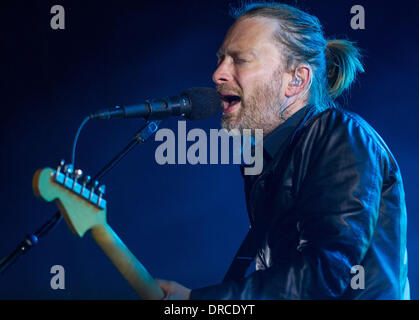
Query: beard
[(260, 110)]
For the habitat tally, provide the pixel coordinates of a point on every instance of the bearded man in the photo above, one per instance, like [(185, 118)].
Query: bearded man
[(330, 200)]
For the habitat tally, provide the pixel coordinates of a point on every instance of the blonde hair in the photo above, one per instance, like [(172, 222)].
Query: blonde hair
[(334, 63)]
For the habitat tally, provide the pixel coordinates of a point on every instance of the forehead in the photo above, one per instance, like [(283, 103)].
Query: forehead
[(249, 35)]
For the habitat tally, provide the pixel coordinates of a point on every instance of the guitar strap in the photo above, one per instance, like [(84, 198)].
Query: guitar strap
[(252, 242), (244, 256)]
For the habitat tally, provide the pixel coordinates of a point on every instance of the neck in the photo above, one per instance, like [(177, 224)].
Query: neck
[(288, 109)]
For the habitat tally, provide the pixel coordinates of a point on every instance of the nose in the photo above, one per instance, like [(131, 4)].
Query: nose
[(223, 73)]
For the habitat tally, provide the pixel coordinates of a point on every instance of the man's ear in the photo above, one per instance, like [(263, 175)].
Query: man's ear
[(299, 81)]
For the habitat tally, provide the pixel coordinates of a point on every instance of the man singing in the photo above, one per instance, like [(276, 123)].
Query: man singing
[(330, 201)]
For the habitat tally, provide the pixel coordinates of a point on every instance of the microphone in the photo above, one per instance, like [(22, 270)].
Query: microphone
[(194, 104)]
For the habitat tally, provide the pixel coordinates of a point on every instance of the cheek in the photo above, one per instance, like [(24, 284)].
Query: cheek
[(250, 81), (248, 73)]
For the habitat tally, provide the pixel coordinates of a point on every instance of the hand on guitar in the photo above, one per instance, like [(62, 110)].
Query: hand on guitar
[(173, 290)]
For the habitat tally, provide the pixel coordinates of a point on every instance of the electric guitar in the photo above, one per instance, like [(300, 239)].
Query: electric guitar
[(84, 209)]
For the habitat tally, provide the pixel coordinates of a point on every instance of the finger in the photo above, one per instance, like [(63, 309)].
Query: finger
[(164, 285)]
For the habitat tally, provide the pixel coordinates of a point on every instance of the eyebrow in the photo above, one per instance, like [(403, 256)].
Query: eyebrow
[(235, 53)]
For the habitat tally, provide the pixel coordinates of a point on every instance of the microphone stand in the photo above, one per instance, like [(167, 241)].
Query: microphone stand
[(142, 135)]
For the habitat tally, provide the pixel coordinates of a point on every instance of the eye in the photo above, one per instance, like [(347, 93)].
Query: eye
[(240, 61)]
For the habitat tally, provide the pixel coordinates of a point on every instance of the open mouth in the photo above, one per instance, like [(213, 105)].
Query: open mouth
[(230, 103)]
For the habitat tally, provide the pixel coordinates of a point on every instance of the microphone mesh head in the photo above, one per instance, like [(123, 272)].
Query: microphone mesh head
[(205, 103)]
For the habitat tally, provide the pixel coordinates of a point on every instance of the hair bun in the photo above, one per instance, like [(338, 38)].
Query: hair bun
[(343, 62)]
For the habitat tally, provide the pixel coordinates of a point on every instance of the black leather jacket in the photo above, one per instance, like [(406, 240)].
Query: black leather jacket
[(332, 200)]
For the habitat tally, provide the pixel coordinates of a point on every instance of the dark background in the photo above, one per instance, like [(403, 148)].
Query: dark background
[(183, 222)]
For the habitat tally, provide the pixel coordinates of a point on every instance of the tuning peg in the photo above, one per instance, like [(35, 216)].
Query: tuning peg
[(102, 190), (92, 190), (68, 170), (60, 166), (77, 175), (86, 181)]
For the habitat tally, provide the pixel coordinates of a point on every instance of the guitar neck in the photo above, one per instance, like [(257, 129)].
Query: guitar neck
[(127, 264)]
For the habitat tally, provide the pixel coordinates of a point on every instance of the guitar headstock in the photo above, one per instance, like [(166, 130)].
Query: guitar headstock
[(79, 200)]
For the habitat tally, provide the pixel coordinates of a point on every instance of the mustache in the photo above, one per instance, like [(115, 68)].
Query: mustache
[(223, 87)]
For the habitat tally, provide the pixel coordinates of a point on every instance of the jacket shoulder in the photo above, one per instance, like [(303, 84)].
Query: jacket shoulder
[(336, 127), (337, 121)]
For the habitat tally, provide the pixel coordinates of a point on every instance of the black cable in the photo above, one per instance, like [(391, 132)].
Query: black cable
[(31, 240), (120, 155)]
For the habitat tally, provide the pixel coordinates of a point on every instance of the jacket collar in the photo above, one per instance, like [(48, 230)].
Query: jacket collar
[(272, 142)]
